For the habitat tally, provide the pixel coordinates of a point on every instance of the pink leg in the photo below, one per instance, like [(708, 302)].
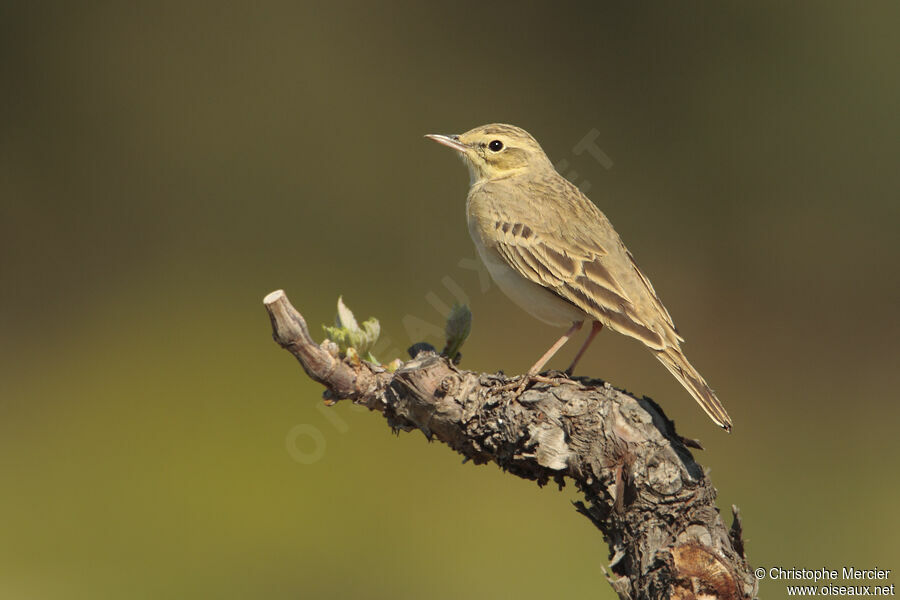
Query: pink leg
[(536, 368), (595, 329)]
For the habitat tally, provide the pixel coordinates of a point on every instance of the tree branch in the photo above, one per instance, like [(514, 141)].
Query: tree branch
[(642, 489)]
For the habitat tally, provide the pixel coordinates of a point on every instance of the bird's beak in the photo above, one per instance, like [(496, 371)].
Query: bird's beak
[(448, 140)]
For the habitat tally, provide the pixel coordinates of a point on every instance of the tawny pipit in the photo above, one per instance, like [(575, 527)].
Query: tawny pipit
[(557, 256)]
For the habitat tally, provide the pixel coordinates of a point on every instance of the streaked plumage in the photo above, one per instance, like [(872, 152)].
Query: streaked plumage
[(553, 252)]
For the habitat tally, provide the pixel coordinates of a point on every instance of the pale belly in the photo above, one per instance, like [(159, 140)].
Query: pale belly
[(536, 300)]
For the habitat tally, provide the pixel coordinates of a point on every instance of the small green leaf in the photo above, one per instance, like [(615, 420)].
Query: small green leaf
[(459, 325), (347, 333), (353, 356), (393, 365), (345, 316)]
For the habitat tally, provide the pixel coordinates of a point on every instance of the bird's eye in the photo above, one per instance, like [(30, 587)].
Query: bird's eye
[(496, 146)]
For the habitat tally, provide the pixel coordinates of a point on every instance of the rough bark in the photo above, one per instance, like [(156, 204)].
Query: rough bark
[(642, 488)]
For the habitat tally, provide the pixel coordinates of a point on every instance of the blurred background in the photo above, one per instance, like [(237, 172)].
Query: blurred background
[(165, 165)]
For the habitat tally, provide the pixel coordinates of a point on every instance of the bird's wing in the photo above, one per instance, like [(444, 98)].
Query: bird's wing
[(656, 304), (578, 272)]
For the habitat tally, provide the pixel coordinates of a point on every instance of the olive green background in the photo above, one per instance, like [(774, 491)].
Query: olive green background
[(165, 165)]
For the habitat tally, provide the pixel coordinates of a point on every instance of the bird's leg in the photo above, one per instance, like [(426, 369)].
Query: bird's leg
[(536, 368), (595, 329), (532, 374)]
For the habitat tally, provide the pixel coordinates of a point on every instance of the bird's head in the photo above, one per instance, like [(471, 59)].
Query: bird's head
[(496, 150)]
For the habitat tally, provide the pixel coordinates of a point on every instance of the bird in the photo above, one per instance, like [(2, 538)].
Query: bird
[(556, 255)]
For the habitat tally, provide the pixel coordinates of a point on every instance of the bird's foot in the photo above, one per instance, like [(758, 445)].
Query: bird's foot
[(529, 379)]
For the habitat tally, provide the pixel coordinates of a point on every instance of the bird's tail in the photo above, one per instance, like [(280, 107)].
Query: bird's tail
[(694, 383)]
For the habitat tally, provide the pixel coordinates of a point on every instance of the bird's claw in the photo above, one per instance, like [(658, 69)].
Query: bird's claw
[(527, 381)]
